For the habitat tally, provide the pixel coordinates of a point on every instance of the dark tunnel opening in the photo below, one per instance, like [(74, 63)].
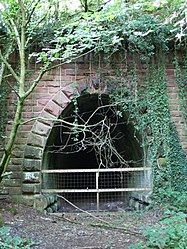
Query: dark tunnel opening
[(65, 150)]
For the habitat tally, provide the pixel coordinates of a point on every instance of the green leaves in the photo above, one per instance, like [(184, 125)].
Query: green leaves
[(169, 233), (6, 241)]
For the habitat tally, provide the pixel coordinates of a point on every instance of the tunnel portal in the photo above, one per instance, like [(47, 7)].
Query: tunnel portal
[(91, 162)]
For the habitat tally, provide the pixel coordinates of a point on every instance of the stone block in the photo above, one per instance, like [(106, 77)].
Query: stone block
[(33, 152), (16, 161), (47, 118), (16, 175), (31, 177), (15, 191), (61, 99), (27, 200), (29, 188), (31, 165), (4, 190), (14, 168), (20, 140), (53, 109), (12, 182), (41, 129), (36, 140), (68, 90), (17, 154), (40, 202)]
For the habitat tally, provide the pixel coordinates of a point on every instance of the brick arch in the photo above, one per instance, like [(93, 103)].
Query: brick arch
[(34, 148), (41, 128)]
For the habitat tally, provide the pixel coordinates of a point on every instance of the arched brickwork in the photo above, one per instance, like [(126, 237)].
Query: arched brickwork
[(33, 154), (52, 95)]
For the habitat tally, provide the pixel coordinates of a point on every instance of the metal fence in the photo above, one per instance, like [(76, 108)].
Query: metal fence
[(96, 188)]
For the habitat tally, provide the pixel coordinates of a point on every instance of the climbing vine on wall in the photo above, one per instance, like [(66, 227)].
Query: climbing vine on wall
[(4, 91), (181, 80), (146, 100)]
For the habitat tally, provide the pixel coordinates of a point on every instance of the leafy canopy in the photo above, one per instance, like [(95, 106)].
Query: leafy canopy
[(59, 32)]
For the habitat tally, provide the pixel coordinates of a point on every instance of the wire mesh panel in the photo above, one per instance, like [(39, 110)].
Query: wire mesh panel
[(96, 189)]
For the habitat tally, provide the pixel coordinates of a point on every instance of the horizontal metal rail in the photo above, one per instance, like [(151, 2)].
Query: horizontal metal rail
[(95, 190), (55, 175), (49, 171)]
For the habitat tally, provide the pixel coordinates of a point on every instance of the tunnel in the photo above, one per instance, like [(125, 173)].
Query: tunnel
[(108, 143)]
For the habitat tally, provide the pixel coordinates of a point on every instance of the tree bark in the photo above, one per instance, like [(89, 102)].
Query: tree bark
[(8, 149)]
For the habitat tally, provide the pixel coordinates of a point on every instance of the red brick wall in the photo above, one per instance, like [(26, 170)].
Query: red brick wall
[(48, 100)]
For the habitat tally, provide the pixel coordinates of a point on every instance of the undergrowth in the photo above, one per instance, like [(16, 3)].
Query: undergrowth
[(6, 241), (169, 233)]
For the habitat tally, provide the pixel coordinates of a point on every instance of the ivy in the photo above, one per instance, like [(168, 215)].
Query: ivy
[(169, 233), (6, 241), (181, 80), (148, 107), (4, 91)]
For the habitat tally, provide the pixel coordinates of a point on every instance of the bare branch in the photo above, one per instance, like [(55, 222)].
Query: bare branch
[(36, 81), (13, 89), (31, 13), (15, 30), (6, 56), (4, 60), (107, 224)]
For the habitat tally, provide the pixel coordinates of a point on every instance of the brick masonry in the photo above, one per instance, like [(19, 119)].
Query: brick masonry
[(54, 92)]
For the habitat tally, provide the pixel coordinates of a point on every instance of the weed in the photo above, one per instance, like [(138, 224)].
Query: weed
[(169, 233), (6, 241)]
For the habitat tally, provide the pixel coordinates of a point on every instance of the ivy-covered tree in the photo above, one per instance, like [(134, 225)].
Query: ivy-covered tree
[(24, 26)]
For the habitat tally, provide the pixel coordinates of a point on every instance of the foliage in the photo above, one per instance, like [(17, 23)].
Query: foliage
[(121, 26), (149, 112), (106, 27), (6, 241), (169, 233), (181, 77), (22, 32), (4, 91), (1, 221)]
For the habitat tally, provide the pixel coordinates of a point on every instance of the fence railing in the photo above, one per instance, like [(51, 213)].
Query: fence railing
[(97, 182)]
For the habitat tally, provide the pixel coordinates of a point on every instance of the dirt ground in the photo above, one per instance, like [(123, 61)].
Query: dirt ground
[(102, 230)]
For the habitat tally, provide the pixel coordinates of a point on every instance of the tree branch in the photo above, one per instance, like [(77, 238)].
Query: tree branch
[(13, 89), (9, 67), (36, 81), (105, 224), (13, 25), (6, 56), (31, 13), (75, 58)]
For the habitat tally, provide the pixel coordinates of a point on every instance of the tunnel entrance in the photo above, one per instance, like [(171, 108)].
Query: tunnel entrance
[(97, 162)]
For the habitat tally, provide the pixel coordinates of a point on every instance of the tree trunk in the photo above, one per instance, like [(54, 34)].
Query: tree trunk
[(8, 149)]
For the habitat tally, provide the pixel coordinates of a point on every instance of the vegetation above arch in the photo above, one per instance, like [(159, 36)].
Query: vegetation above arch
[(139, 26)]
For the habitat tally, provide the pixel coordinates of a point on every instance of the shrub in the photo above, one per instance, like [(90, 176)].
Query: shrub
[(169, 233), (6, 241)]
